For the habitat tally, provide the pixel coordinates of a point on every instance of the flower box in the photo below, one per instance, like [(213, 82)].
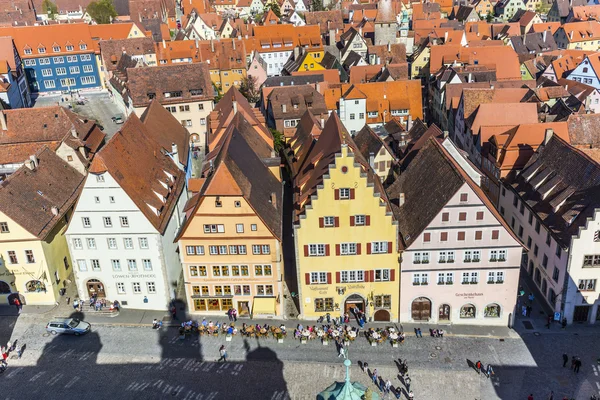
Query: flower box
[(346, 343), (394, 343), (373, 343), (228, 338), (303, 340), (279, 340), (325, 342)]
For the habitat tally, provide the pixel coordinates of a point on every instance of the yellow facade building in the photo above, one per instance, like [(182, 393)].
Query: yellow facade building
[(346, 236), (230, 243), (35, 205)]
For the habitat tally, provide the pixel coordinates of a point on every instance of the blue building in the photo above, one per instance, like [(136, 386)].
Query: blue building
[(56, 57)]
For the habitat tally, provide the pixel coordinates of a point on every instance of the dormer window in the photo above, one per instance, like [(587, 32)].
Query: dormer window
[(83, 46), (56, 49), (41, 50), (69, 48), (27, 51)]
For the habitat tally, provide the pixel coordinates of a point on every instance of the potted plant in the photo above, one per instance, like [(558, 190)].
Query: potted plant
[(280, 337), (325, 340), (303, 339), (394, 342), (228, 337)]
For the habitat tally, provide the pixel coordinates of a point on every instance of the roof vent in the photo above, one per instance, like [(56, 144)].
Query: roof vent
[(54, 210)]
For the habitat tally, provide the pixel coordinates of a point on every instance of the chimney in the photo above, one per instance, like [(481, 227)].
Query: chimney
[(33, 162), (3, 119), (409, 122), (571, 35), (389, 47), (212, 46), (492, 87), (401, 200), (296, 53), (233, 43), (331, 37), (360, 31), (322, 123), (234, 102), (548, 136), (54, 211), (544, 36), (283, 108), (372, 160), (73, 131), (273, 199), (174, 150), (445, 37), (196, 42), (164, 44)]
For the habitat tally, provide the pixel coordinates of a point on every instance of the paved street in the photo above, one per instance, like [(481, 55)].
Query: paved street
[(98, 107), (119, 362)]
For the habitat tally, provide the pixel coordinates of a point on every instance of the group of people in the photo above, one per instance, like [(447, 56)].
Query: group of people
[(489, 371), (575, 362), (335, 331), (9, 348), (232, 314), (385, 386), (360, 316)]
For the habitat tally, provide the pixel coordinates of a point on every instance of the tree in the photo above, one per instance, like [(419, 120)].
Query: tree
[(368, 394), (249, 89), (317, 5), (274, 6), (49, 8), (490, 17), (278, 141), (102, 11)]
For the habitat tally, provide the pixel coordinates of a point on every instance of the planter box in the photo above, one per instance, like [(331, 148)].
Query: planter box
[(279, 340), (303, 341), (374, 343), (228, 338), (346, 343), (394, 344), (325, 342)]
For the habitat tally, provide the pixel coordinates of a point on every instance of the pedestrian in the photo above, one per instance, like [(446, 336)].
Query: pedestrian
[(75, 304), (577, 365), (529, 308), (19, 351), (17, 304), (365, 367), (573, 360), (490, 370), (230, 314), (530, 397), (388, 386), (479, 367), (8, 347), (549, 321), (564, 323), (407, 383), (531, 298), (223, 354), (565, 359), (174, 311), (234, 311), (411, 395), (551, 396), (524, 311), (342, 352), (375, 376)]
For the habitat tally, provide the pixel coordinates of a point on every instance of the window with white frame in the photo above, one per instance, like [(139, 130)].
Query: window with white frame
[(116, 265), (86, 222), (495, 277), (315, 250), (420, 278), (143, 243), (91, 243), (95, 265), (107, 222), (222, 250), (88, 68), (239, 228), (132, 265), (124, 221), (147, 263), (445, 278), (344, 193), (359, 219), (328, 221), (151, 287), (120, 288), (77, 244), (213, 250), (382, 275), (493, 255), (82, 265), (137, 288), (214, 228), (446, 257), (128, 242), (379, 247), (501, 255), (352, 276), (318, 278), (347, 249), (586, 284)]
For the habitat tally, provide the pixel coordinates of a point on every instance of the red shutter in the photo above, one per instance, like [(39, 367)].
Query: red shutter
[(366, 276), (351, 194), (337, 277), (389, 247), (307, 278), (367, 220), (372, 277), (321, 222), (358, 249), (337, 249), (337, 194), (352, 220), (337, 222), (392, 275), (326, 249), (369, 248), (305, 250), (329, 278)]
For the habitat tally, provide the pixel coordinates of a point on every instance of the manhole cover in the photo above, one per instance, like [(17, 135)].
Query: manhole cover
[(438, 348), (527, 325), (432, 355)]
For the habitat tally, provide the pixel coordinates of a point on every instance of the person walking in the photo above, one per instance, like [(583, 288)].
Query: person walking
[(490, 370), (223, 353), (551, 396), (388, 386), (479, 367), (230, 315), (342, 352), (573, 360), (19, 351), (565, 359), (407, 383), (411, 395), (17, 304), (174, 311), (366, 367), (577, 365), (564, 323), (375, 376), (549, 321), (234, 312)]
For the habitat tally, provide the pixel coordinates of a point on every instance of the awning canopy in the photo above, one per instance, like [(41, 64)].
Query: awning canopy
[(264, 305)]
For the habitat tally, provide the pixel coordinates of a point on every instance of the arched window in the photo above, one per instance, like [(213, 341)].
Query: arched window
[(467, 311), (492, 311), (35, 286), (4, 288)]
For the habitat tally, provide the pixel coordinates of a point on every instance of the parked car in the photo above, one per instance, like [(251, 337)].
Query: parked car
[(118, 119), (71, 326)]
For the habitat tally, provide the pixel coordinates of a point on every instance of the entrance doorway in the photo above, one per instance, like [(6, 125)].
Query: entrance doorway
[(444, 312), (243, 308), (352, 301), (382, 315), (95, 287), (581, 313), (421, 309)]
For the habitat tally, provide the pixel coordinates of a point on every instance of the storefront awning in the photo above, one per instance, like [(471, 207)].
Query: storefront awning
[(264, 305)]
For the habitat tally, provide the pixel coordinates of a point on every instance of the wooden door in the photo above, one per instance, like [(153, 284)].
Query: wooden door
[(95, 287), (243, 308), (421, 309), (444, 313), (581, 313)]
